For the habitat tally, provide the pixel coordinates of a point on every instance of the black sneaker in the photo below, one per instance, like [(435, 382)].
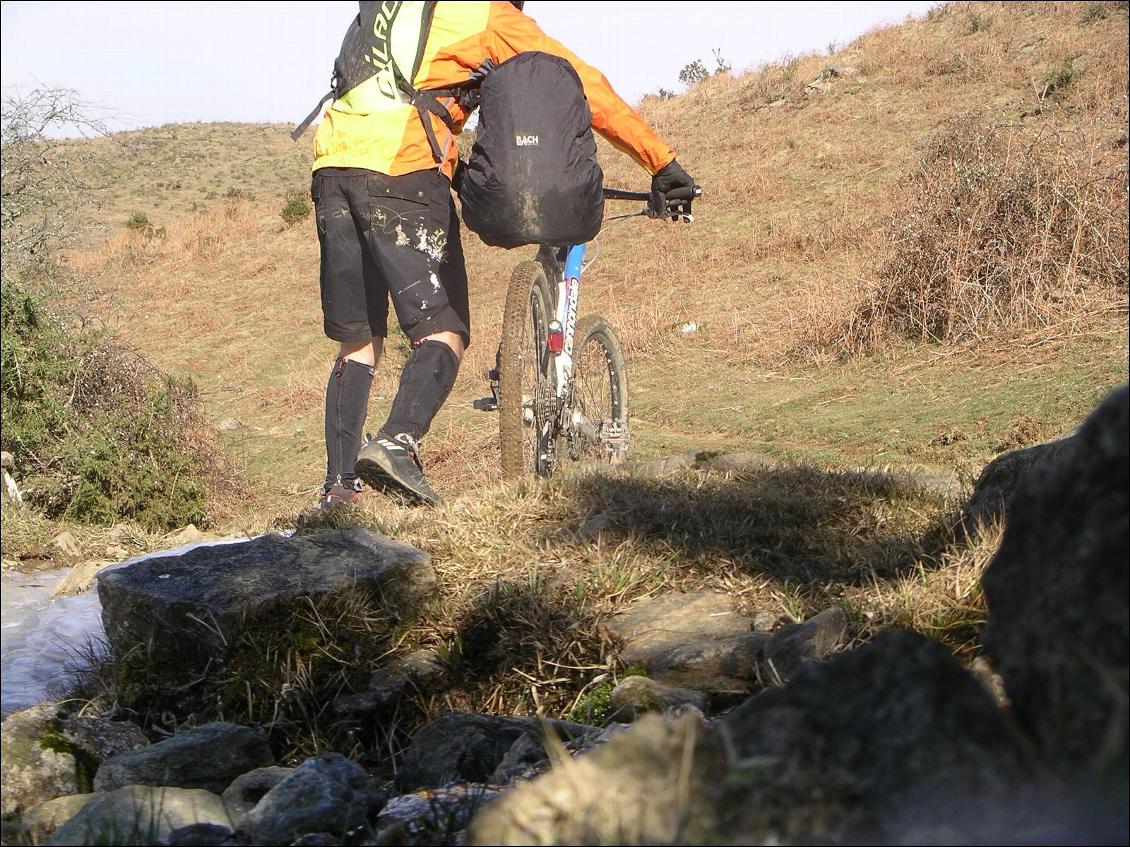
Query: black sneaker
[(393, 463)]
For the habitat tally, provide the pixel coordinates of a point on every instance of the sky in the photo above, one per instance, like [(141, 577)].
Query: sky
[(152, 63)]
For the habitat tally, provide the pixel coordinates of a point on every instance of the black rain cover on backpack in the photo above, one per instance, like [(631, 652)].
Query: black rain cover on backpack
[(533, 177)]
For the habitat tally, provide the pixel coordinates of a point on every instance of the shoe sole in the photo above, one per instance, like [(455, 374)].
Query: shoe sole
[(381, 478)]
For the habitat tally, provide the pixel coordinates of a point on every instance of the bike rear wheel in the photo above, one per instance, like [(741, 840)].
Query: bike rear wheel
[(597, 430), (525, 384)]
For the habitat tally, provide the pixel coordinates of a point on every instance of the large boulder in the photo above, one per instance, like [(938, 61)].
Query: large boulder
[(192, 606), (140, 814), (998, 483), (208, 757), (893, 742), (1057, 594), (329, 794)]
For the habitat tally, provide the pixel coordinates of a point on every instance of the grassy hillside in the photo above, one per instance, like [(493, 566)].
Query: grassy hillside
[(802, 183), (911, 253)]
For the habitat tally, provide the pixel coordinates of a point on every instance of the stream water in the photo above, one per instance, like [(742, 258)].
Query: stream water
[(45, 640)]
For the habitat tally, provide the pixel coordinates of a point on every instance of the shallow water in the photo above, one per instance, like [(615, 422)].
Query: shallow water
[(45, 640)]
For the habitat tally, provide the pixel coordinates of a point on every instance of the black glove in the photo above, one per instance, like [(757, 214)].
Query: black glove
[(671, 177)]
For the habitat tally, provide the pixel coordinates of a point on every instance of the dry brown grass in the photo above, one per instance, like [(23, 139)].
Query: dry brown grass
[(1001, 228), (797, 186)]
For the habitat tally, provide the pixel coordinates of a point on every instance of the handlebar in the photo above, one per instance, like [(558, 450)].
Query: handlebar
[(678, 201), (677, 195)]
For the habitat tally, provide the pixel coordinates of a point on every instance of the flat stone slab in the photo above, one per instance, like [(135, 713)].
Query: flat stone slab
[(658, 625), (719, 665), (203, 597)]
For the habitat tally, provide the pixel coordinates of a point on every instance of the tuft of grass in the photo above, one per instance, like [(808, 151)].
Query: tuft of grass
[(139, 222), (296, 208)]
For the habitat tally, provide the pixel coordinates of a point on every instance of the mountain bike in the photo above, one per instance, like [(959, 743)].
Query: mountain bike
[(559, 383)]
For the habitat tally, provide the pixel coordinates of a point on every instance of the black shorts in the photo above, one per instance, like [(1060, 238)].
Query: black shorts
[(389, 235)]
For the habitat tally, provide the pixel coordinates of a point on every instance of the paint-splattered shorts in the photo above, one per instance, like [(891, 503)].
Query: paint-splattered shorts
[(389, 236)]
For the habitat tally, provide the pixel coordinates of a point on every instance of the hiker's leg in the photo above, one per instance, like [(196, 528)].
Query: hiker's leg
[(430, 298), (355, 312), (347, 405)]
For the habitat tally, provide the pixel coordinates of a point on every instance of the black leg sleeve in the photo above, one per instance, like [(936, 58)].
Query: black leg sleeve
[(347, 403), (427, 379)]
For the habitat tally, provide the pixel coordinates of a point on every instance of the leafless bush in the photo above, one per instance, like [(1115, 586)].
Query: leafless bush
[(999, 228), (42, 191)]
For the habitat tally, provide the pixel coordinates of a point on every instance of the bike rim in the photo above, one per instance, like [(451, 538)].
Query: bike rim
[(532, 366), (596, 396)]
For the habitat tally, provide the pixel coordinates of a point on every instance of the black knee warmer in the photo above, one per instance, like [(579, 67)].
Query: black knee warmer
[(347, 403), (427, 379)]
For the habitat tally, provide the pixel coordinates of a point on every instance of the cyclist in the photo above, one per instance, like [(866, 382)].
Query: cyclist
[(387, 224)]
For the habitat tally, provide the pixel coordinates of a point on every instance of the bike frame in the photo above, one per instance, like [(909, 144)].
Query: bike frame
[(565, 312)]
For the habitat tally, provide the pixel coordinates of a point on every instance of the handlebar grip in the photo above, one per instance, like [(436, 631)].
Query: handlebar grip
[(683, 194)]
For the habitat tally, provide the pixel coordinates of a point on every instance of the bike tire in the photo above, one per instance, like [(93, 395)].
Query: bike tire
[(600, 395), (523, 370)]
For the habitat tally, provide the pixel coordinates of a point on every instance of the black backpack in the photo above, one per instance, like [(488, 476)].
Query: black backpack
[(533, 177)]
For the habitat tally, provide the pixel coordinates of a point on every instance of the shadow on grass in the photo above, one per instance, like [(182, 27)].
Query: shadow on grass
[(793, 523)]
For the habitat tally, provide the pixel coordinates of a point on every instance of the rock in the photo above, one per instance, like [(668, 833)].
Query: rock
[(48, 754), (202, 835), (100, 739), (247, 790), (790, 647), (36, 763), (526, 758), (1057, 629), (140, 814), (660, 467), (766, 621), (6, 460), (637, 695), (720, 665), (457, 747), (42, 820), (208, 757), (80, 579), (189, 535), (229, 425), (329, 794), (188, 609), (730, 463), (982, 669), (659, 624), (419, 670), (838, 71), (67, 544), (315, 839), (9, 490), (891, 743), (650, 784), (425, 816), (992, 493)]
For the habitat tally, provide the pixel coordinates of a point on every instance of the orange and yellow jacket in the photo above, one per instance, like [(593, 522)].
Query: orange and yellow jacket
[(375, 127)]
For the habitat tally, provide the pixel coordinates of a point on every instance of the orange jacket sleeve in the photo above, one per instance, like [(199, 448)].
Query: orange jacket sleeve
[(510, 32)]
